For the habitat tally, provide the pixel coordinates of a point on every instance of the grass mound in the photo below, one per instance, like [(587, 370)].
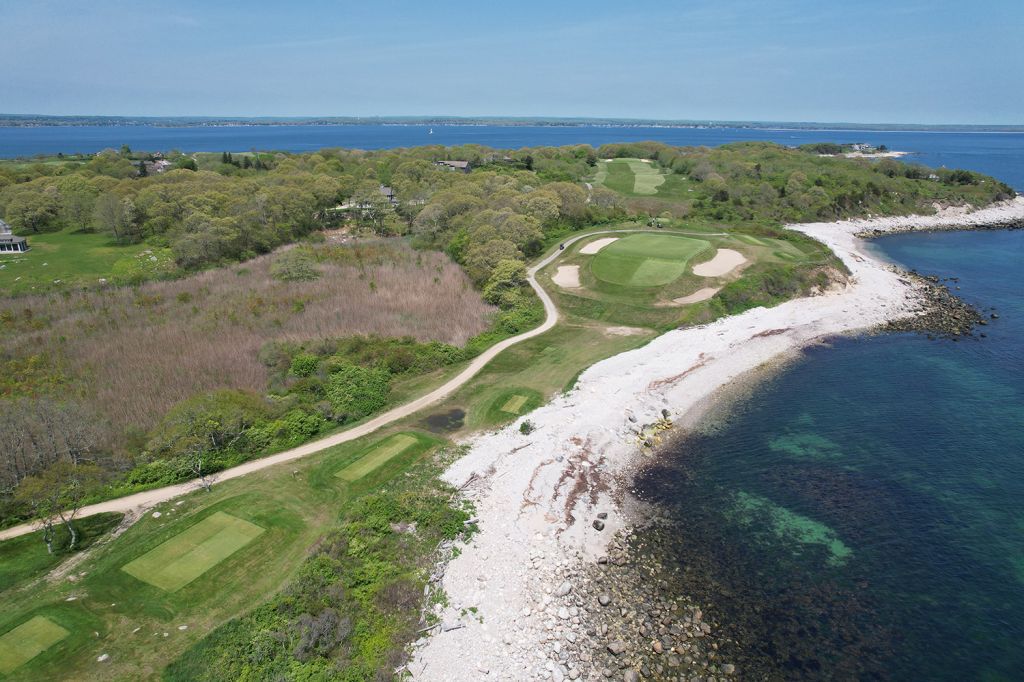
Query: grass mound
[(28, 640), (387, 450), (191, 553), (511, 402), (646, 260)]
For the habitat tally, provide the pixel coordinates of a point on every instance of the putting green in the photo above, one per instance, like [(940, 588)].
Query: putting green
[(192, 552), (514, 404), (388, 449), (646, 260), (28, 640)]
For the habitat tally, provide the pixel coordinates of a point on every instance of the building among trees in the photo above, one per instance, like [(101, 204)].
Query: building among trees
[(9, 243)]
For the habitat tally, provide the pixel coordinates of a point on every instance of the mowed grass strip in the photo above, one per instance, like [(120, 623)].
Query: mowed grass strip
[(619, 176), (514, 404), (646, 260), (28, 640), (191, 553), (647, 178), (387, 450)]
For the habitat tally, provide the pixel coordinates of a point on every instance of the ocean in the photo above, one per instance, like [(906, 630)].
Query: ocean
[(861, 514)]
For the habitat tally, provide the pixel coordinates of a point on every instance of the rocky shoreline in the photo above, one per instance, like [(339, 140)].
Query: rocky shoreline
[(564, 580)]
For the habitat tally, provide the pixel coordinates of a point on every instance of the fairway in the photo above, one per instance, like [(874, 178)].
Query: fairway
[(191, 553), (514, 404), (646, 260), (27, 641), (388, 449), (631, 176)]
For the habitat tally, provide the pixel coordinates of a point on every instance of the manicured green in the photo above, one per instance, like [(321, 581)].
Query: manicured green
[(379, 455), (514, 404), (646, 260), (194, 551), (28, 640), (60, 259), (631, 176)]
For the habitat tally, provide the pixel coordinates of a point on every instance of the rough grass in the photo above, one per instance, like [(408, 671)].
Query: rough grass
[(25, 557), (134, 353), (379, 455), (69, 256), (644, 260), (27, 641), (193, 552)]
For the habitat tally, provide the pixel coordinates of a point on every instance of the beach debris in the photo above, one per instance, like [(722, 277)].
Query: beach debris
[(598, 524)]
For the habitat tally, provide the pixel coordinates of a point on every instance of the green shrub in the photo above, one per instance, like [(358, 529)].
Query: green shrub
[(295, 265), (304, 364), (355, 392), (208, 422)]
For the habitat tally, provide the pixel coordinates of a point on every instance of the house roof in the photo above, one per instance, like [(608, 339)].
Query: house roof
[(11, 239), (4, 228), (455, 164)]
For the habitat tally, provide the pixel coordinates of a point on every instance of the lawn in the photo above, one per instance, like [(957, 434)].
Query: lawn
[(630, 176), (379, 455), (61, 258), (646, 260), (27, 641), (193, 552)]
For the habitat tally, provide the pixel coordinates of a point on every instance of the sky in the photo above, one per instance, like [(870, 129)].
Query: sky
[(867, 61)]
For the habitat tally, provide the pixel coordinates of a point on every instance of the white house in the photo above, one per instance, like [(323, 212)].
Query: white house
[(9, 243)]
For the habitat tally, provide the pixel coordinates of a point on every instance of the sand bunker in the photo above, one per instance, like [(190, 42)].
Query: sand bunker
[(596, 245), (697, 296), (567, 277), (724, 262)]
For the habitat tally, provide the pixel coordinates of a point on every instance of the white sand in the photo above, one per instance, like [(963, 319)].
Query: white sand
[(697, 296), (596, 245), (724, 262), (521, 483), (567, 276)]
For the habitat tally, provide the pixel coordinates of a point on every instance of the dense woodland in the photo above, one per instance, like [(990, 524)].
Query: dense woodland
[(214, 347)]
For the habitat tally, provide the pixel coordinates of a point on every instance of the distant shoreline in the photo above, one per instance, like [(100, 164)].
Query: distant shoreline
[(46, 121)]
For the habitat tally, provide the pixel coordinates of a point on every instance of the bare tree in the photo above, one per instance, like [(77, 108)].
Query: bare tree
[(59, 493)]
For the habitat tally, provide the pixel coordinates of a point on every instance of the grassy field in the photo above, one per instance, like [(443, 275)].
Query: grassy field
[(193, 551), (62, 258), (28, 640), (183, 573), (631, 176), (646, 260), (26, 557), (378, 456)]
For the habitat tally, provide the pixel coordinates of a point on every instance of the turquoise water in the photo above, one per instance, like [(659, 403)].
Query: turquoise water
[(862, 515)]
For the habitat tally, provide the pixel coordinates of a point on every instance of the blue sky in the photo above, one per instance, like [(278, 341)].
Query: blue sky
[(861, 61)]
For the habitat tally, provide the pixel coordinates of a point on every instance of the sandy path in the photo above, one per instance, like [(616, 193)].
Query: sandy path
[(724, 262), (596, 245), (567, 276), (140, 501), (536, 523)]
